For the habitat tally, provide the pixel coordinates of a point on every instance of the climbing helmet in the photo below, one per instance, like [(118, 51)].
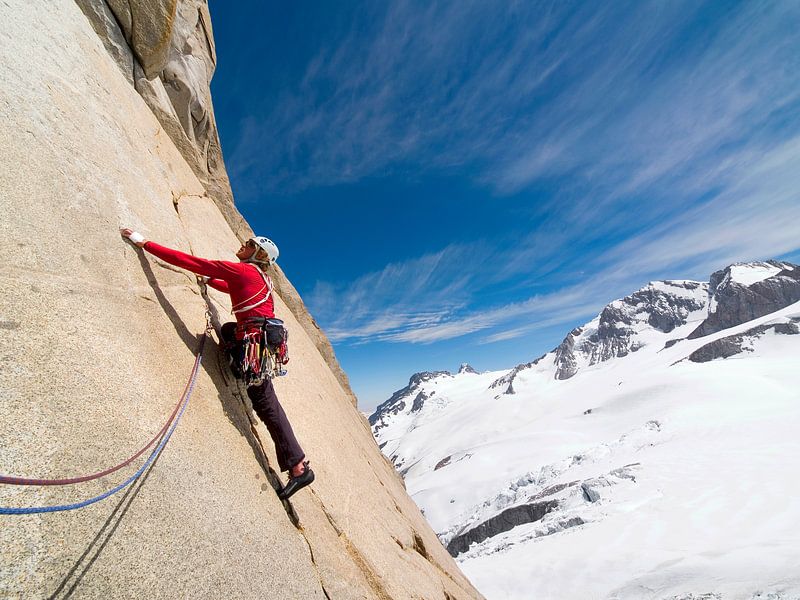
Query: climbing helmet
[(267, 245)]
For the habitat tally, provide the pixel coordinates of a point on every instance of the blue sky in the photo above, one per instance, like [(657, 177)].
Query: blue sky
[(467, 181)]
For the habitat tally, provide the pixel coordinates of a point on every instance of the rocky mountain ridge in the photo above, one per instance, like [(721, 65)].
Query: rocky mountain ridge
[(746, 291), (517, 466), (617, 331), (734, 295)]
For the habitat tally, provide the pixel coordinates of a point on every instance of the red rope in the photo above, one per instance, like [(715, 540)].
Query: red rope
[(67, 481)]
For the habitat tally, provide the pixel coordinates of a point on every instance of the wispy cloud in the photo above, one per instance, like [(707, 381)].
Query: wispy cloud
[(622, 94), (668, 134), (414, 294), (755, 214)]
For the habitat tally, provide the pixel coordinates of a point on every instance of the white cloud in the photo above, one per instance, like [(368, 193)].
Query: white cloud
[(756, 215), (673, 153)]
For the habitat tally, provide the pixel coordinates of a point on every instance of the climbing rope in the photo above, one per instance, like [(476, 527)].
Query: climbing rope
[(67, 481), (172, 423)]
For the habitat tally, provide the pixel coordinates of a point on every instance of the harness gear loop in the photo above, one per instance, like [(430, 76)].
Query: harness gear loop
[(258, 349)]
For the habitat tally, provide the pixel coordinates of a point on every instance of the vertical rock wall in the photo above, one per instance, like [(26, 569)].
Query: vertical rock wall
[(166, 50), (97, 340)]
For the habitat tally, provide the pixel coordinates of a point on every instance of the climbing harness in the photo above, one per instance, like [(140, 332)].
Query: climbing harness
[(262, 351), (164, 434)]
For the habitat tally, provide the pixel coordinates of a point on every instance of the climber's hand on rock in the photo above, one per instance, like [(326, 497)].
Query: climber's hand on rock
[(135, 237)]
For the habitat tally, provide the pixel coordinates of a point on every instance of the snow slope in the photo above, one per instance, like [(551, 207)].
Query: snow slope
[(643, 474)]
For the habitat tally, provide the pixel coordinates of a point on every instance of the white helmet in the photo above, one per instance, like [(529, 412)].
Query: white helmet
[(268, 246)]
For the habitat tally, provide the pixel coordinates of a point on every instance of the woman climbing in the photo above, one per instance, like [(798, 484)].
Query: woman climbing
[(250, 289)]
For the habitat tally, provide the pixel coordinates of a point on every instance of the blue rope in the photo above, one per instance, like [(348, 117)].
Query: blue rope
[(48, 509)]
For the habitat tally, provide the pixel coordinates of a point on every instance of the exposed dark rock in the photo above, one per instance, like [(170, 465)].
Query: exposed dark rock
[(737, 303), (418, 378), (735, 344), (388, 410), (722, 348), (507, 380), (566, 363), (442, 463), (396, 403), (419, 401), (671, 343), (589, 493), (466, 368), (505, 521), (553, 489), (615, 334)]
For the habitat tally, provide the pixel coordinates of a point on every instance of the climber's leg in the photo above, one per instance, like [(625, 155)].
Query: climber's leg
[(269, 410)]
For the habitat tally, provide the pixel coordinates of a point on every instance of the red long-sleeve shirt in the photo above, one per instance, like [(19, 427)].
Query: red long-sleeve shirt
[(241, 280)]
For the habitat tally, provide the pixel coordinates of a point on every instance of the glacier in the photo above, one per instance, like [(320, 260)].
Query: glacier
[(653, 454)]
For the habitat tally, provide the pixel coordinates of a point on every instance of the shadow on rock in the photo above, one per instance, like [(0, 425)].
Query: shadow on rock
[(235, 405), (78, 571)]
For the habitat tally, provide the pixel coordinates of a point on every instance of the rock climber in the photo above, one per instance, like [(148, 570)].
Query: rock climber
[(250, 289)]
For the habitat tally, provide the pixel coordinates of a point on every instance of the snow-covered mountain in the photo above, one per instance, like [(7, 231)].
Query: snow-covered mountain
[(653, 454)]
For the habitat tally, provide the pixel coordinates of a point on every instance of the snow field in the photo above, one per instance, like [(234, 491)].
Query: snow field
[(696, 467)]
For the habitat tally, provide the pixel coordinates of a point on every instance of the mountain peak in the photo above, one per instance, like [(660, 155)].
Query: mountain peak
[(744, 291), (466, 368), (748, 273)]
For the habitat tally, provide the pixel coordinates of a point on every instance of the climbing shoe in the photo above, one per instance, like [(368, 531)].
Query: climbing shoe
[(297, 483)]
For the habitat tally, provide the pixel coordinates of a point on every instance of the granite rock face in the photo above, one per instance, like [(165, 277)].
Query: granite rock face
[(148, 26), (97, 340), (170, 59), (166, 50), (106, 25)]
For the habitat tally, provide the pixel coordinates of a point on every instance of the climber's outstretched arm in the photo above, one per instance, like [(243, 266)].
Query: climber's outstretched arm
[(216, 269), (219, 284)]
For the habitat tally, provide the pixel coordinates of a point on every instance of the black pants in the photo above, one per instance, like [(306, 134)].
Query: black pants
[(269, 410)]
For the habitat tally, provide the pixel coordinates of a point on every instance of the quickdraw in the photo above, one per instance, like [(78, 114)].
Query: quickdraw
[(264, 349)]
